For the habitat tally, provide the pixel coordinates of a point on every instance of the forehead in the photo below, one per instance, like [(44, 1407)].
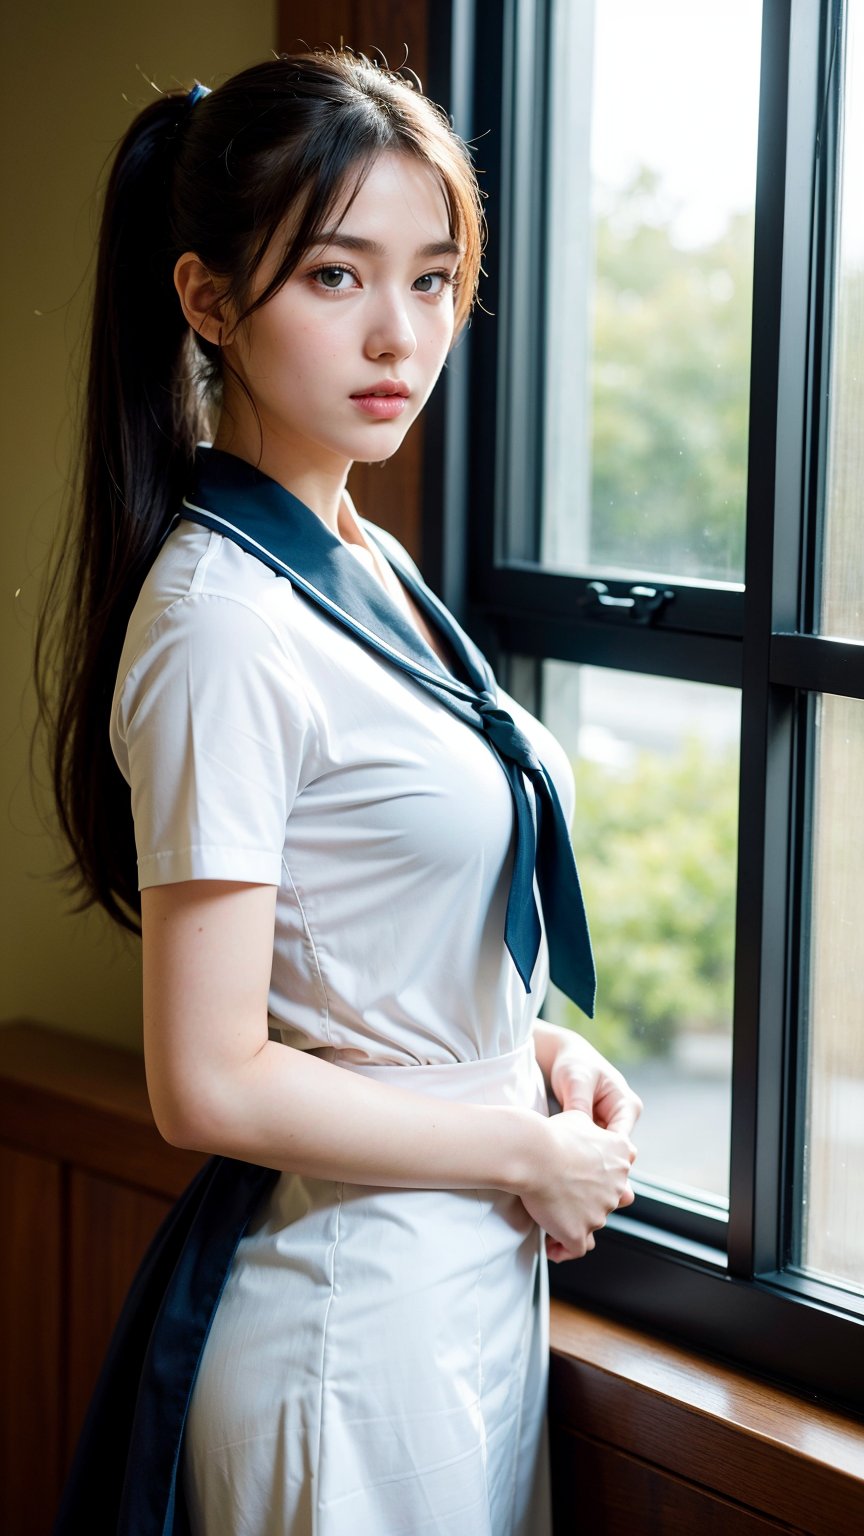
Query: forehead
[(400, 202), (393, 207)]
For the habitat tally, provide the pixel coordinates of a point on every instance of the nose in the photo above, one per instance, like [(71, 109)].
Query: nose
[(390, 333)]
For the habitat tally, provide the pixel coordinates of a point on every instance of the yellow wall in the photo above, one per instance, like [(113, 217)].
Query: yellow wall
[(71, 82)]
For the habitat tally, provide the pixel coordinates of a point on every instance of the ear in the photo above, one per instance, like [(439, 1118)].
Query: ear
[(201, 298)]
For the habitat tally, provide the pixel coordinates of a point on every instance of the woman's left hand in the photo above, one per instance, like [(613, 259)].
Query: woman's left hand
[(582, 1079)]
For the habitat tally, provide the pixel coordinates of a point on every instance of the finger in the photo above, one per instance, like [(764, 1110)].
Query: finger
[(578, 1096), (628, 1195), (624, 1115), (557, 1253)]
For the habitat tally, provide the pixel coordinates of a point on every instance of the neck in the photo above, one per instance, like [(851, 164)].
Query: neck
[(319, 487)]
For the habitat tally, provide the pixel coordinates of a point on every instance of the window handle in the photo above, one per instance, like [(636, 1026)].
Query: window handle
[(641, 605)]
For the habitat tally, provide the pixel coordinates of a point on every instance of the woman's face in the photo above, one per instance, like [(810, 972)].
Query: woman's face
[(373, 304)]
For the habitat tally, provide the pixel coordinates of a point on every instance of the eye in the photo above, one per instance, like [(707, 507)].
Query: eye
[(446, 281), (329, 272)]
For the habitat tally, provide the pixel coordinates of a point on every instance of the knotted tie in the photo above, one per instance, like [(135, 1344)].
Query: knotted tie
[(235, 499)]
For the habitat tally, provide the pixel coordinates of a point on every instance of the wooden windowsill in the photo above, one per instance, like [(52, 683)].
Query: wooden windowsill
[(706, 1422)]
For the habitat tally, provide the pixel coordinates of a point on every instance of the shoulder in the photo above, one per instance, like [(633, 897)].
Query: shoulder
[(195, 562), (205, 591), (211, 623)]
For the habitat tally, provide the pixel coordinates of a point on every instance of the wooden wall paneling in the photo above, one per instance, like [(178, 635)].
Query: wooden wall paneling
[(110, 1226), (31, 1289), (374, 27), (86, 1103), (604, 1492), (314, 24), (388, 493)]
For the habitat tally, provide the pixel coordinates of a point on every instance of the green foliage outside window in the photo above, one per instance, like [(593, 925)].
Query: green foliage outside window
[(656, 846)]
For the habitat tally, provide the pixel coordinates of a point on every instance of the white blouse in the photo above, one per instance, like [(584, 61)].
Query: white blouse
[(263, 742), (378, 1360)]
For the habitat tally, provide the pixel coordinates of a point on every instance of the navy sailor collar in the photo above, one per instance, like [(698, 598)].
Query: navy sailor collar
[(231, 497)]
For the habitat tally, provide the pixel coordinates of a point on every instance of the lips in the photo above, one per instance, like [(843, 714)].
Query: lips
[(383, 400), (384, 388)]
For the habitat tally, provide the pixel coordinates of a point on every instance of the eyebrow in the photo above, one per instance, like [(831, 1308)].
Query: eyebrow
[(375, 248)]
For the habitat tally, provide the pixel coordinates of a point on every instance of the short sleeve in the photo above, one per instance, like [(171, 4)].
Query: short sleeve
[(212, 730)]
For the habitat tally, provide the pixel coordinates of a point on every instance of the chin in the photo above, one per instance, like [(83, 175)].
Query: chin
[(377, 453), (380, 459)]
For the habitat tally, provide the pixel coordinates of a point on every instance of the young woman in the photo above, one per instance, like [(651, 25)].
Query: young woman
[(350, 846)]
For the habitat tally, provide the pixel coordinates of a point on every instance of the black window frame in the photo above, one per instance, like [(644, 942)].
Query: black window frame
[(665, 1266)]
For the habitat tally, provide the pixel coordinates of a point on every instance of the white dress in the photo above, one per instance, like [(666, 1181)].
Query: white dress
[(378, 1360)]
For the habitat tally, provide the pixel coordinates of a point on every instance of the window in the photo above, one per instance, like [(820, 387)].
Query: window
[(650, 459), (656, 765)]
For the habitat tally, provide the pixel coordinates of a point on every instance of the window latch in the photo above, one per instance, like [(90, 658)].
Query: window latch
[(641, 605)]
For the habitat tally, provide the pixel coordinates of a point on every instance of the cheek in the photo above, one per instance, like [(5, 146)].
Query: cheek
[(444, 331), (437, 344), (311, 352), (437, 329), (295, 363)]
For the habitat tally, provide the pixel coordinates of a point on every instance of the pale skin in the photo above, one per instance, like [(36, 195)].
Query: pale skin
[(217, 1083)]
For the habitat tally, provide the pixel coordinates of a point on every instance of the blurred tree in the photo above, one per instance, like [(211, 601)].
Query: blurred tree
[(670, 390), (656, 846)]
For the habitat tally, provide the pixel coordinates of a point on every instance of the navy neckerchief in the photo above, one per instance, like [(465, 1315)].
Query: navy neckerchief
[(231, 497)]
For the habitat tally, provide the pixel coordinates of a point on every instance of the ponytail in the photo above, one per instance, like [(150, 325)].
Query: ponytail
[(274, 147), (142, 417)]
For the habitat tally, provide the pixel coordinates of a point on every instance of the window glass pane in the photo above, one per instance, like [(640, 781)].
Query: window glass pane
[(648, 285), (655, 833), (843, 551), (831, 1154)]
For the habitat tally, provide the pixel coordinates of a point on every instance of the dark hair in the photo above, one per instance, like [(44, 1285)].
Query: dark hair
[(218, 175)]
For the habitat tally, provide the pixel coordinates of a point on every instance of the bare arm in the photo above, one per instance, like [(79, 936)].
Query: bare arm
[(219, 1085)]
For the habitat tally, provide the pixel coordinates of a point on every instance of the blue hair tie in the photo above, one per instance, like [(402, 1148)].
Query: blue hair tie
[(198, 90)]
